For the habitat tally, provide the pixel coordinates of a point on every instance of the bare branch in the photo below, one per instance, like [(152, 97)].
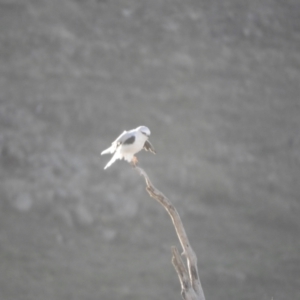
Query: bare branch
[(187, 292), (192, 289)]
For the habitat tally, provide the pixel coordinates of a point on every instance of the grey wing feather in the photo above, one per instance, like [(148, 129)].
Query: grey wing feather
[(120, 138), (148, 147), (116, 143), (124, 137)]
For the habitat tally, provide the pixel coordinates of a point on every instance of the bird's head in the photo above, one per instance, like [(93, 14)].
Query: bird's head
[(144, 130)]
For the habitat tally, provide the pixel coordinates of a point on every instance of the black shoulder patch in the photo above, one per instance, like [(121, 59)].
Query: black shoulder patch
[(129, 140)]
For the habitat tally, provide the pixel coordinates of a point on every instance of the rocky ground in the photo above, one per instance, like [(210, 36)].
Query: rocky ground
[(217, 82)]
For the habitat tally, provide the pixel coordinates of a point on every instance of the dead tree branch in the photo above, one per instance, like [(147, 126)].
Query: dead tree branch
[(191, 288)]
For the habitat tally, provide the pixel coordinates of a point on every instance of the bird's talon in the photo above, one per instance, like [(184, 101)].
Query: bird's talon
[(134, 161)]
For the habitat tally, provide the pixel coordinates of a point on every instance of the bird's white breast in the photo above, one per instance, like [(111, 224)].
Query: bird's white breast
[(138, 144)]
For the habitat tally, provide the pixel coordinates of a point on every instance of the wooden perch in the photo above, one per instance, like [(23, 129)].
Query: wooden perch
[(191, 288)]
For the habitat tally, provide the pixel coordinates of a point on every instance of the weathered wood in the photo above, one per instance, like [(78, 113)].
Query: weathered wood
[(191, 288)]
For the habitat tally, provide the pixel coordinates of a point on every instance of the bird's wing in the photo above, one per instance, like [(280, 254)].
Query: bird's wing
[(119, 139), (148, 147), (115, 143), (129, 140), (127, 137)]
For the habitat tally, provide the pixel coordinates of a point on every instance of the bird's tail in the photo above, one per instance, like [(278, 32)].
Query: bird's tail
[(112, 160), (109, 150)]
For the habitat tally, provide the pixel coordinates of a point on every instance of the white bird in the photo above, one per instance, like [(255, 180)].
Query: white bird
[(128, 144)]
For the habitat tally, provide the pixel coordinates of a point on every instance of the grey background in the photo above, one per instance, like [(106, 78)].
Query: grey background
[(217, 82)]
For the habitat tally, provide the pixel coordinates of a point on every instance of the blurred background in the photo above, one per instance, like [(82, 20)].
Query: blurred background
[(218, 84)]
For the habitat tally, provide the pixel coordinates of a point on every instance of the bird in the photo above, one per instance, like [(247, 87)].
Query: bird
[(128, 144)]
